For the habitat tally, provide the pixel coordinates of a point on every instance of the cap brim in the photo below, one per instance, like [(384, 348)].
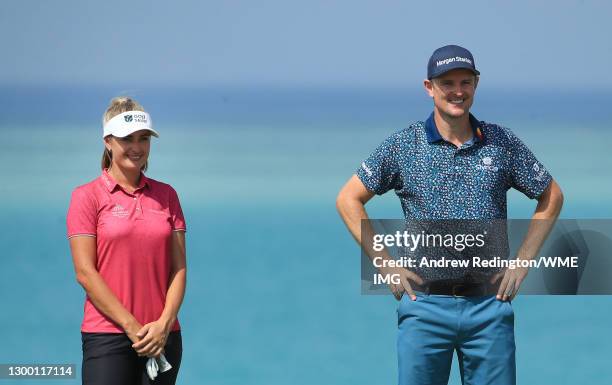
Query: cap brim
[(132, 129)]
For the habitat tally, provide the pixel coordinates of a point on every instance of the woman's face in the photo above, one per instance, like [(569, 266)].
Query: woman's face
[(130, 152)]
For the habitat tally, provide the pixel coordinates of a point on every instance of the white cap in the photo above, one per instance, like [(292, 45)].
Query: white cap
[(128, 122)]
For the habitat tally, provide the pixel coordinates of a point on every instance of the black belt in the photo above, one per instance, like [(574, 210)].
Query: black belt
[(459, 289)]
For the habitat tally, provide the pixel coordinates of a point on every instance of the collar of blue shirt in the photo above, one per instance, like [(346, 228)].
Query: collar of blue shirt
[(433, 135)]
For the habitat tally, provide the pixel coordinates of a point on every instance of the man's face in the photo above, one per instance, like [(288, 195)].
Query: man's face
[(453, 92)]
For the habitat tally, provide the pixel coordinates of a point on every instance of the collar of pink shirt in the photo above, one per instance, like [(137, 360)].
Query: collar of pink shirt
[(111, 184)]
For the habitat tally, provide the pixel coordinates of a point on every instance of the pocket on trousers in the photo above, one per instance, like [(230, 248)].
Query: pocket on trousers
[(401, 303), (507, 313), (509, 306), (405, 307)]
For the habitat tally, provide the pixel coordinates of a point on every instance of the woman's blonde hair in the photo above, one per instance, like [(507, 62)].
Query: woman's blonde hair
[(118, 105)]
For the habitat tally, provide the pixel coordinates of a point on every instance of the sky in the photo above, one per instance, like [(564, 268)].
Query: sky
[(318, 43)]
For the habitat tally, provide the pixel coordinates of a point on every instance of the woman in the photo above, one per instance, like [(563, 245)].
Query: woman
[(127, 237)]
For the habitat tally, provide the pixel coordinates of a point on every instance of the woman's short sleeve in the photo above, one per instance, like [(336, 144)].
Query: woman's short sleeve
[(82, 214), (176, 213)]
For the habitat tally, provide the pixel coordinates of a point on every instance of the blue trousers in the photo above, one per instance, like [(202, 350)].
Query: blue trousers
[(480, 329)]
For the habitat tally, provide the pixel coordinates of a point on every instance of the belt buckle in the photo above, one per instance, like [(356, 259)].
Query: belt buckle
[(454, 289)]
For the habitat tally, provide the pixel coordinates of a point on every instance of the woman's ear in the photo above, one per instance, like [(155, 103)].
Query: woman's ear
[(107, 142)]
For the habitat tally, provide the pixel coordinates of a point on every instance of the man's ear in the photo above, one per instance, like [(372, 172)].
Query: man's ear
[(428, 85), (477, 78)]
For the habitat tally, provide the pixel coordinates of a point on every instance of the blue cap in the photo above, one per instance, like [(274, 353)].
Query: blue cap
[(448, 58)]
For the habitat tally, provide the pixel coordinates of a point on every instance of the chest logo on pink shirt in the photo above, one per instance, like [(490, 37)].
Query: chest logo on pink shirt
[(119, 212)]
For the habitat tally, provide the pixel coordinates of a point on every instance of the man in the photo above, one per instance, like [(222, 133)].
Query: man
[(453, 166)]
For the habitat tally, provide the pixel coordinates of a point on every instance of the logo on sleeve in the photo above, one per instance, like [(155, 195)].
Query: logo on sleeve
[(540, 171), (366, 169)]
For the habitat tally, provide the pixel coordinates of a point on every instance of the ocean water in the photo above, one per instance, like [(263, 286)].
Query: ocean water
[(273, 276)]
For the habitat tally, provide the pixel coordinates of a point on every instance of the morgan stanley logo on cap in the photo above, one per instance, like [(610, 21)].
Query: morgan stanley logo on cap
[(448, 58), (128, 122)]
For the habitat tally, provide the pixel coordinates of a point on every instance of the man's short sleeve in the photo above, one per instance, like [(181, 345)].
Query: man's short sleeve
[(176, 212), (380, 171), (82, 214), (526, 173)]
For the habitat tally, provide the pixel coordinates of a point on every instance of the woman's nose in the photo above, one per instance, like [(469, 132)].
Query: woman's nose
[(135, 146)]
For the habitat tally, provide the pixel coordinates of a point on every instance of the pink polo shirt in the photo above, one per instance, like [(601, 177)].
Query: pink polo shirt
[(134, 238)]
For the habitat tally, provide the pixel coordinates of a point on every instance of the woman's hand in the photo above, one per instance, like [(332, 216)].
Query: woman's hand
[(132, 330), (153, 338)]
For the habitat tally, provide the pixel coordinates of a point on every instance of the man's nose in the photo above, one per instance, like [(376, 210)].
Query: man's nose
[(458, 89)]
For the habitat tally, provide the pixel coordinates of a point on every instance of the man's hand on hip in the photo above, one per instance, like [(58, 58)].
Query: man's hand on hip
[(405, 276), (511, 282)]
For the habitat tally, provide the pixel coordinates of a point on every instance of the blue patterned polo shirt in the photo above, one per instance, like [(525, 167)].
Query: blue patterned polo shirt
[(436, 180)]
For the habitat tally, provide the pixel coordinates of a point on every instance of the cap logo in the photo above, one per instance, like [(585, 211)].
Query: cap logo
[(453, 59), (139, 118)]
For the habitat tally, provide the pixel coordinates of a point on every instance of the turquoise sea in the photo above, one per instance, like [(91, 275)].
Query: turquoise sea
[(273, 276)]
